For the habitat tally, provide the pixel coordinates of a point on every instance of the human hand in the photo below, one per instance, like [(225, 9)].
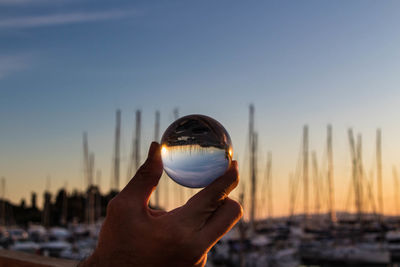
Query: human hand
[(133, 234)]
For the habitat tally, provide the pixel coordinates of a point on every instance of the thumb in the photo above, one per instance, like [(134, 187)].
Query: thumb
[(146, 178)]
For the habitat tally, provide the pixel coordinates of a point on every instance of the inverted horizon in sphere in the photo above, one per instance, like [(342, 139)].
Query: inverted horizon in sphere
[(194, 167)]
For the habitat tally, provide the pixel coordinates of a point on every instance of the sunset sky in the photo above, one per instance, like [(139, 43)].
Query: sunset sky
[(67, 65)]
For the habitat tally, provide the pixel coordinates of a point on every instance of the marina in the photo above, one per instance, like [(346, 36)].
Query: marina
[(68, 227)]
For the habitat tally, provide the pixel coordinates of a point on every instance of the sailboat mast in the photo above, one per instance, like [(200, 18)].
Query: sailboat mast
[(360, 175), (137, 139), (90, 191), (269, 185), (355, 173), (305, 171), (379, 171), (117, 150), (252, 144), (86, 159), (331, 198), (316, 182), (135, 152)]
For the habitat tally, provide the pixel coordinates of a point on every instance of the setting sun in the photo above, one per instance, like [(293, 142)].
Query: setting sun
[(163, 150)]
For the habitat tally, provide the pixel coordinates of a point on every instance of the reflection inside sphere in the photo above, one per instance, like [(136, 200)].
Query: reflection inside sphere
[(196, 150)]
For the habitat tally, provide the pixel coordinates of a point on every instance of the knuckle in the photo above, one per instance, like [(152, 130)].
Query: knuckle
[(237, 208), (229, 182), (218, 195)]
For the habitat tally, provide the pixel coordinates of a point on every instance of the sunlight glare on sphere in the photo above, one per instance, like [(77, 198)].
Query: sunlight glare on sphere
[(196, 150)]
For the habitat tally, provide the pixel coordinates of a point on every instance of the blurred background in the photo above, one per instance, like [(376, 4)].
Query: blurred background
[(308, 91)]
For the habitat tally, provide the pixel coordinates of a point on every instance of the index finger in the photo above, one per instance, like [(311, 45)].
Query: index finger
[(203, 204)]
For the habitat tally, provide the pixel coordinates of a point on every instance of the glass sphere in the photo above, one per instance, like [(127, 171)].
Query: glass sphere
[(196, 150)]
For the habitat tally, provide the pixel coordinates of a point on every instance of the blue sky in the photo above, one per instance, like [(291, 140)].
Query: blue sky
[(67, 65)]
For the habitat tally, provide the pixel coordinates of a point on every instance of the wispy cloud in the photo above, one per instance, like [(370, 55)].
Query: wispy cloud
[(11, 64), (59, 19), (20, 2), (30, 2)]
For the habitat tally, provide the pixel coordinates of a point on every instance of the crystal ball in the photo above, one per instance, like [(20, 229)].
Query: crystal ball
[(196, 150)]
